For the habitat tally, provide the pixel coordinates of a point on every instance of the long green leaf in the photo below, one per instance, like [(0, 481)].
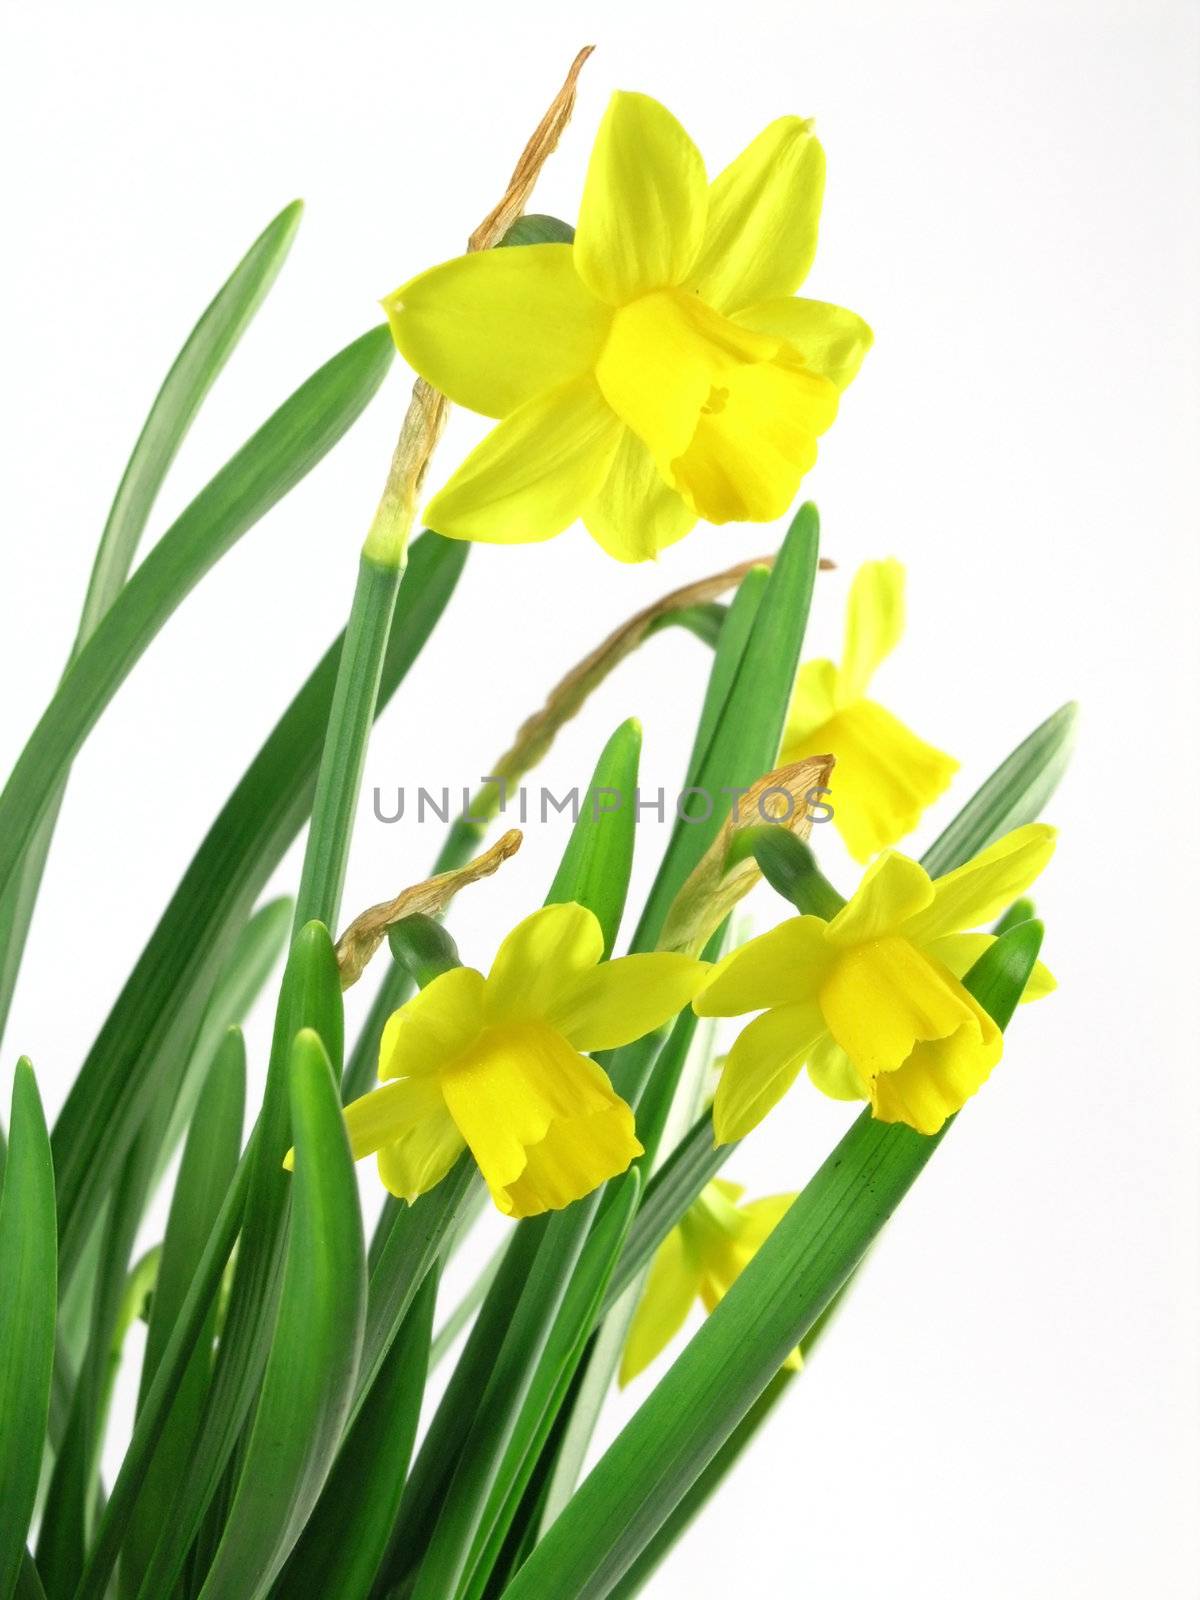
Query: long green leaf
[(274, 460), (210, 1157), (552, 1377), (208, 347), (346, 1538), (310, 998), (596, 864), (728, 1456), (310, 1001), (313, 1362), (154, 1022), (737, 1351), (27, 1308), (255, 954), (746, 730), (1015, 793), (705, 1486), (69, 1499)]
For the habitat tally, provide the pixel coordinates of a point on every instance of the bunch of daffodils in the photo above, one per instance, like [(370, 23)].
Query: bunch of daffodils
[(649, 369)]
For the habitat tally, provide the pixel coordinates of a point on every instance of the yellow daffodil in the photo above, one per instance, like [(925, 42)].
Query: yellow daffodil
[(885, 776), (871, 1000), (700, 1258), (496, 1064), (655, 371)]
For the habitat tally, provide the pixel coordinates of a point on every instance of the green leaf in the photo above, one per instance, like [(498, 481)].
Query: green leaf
[(411, 1246), (745, 732), (1015, 793), (346, 1538), (344, 754), (705, 1486), (740, 618), (313, 1361), (206, 1171), (552, 1378), (310, 999), (598, 860), (208, 347), (196, 368), (274, 460), (27, 1307), (443, 1443), (255, 954), (735, 1354), (155, 1411), (73, 1484), (154, 1021)]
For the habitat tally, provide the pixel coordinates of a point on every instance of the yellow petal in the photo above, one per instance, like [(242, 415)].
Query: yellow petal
[(672, 1286), (637, 512), (960, 951), (812, 705), (980, 890), (892, 890), (762, 1067), (763, 212), (376, 1118), (780, 968), (407, 1122), (421, 1157), (884, 779), (882, 999), (542, 1121), (874, 623), (833, 1073), (540, 960), (434, 1027), (496, 328), (645, 201), (618, 1001), (832, 341), (535, 473), (939, 1076), (755, 443)]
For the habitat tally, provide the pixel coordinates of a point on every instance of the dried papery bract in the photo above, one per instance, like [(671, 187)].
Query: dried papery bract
[(430, 898), (427, 410), (781, 798)]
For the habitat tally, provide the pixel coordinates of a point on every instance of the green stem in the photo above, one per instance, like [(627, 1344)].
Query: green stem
[(350, 718)]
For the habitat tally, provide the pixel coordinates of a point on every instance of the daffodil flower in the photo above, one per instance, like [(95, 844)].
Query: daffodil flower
[(497, 1064), (871, 1000), (710, 1246), (885, 776), (656, 370)]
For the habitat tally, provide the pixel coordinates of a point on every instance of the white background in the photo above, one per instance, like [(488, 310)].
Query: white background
[(1008, 1405)]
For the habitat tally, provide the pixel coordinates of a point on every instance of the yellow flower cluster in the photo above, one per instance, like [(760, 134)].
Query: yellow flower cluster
[(656, 370)]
